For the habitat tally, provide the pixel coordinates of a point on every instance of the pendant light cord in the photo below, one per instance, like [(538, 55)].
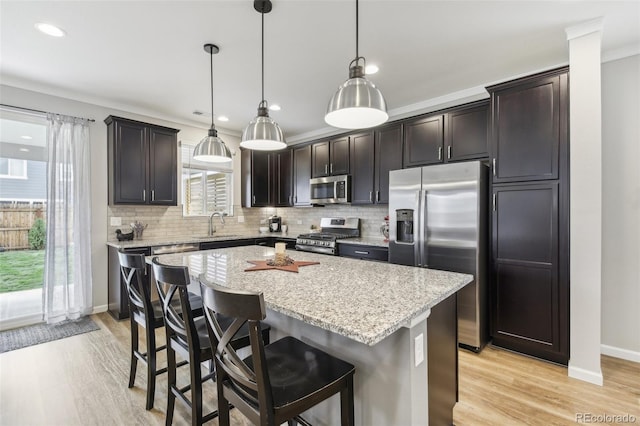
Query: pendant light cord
[(211, 56), (357, 55), (262, 14)]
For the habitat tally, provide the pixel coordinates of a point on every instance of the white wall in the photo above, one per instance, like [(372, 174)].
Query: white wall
[(621, 208), (29, 99)]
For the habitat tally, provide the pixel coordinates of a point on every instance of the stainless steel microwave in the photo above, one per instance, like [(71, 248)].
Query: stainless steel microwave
[(331, 190)]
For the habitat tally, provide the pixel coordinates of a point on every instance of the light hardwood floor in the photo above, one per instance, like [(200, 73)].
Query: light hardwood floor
[(82, 380)]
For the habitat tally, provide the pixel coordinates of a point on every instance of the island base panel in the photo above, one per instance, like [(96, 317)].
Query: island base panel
[(388, 388)]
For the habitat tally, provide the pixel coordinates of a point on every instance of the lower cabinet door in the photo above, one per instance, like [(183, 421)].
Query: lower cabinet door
[(529, 302)]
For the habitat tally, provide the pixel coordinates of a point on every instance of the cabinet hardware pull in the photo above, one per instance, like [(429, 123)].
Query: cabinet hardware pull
[(153, 195), (494, 202), (360, 252), (494, 167), (439, 153), (331, 168), (254, 199), (377, 196), (144, 195), (296, 198), (371, 196), (449, 151), (290, 202), (326, 169)]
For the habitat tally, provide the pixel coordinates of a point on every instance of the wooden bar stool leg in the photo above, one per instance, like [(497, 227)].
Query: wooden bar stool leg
[(151, 366), (171, 377), (346, 404), (134, 349), (223, 404), (196, 391)]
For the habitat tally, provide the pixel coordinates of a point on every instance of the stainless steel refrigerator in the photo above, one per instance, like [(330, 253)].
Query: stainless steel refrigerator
[(438, 220)]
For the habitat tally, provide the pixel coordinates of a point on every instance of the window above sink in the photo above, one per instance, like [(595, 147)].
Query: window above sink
[(206, 187)]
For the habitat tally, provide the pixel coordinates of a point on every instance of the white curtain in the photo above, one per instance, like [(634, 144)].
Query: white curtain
[(67, 277)]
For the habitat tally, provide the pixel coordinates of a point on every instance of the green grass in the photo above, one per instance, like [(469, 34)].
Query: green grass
[(21, 270)]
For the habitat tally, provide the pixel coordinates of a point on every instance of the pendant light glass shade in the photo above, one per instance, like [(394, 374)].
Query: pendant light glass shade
[(358, 104), (212, 149), (263, 133)]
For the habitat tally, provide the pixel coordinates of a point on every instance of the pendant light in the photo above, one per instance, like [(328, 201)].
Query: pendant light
[(357, 104), (212, 149), (263, 133)]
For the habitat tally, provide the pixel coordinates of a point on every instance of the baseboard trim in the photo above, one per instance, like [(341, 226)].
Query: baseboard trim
[(20, 322), (99, 309), (615, 352), (594, 377)]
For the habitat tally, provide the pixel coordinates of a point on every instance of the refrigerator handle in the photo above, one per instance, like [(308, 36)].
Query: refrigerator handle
[(417, 244), (423, 235)]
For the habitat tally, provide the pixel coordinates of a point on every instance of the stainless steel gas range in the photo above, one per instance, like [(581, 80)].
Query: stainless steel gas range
[(332, 229)]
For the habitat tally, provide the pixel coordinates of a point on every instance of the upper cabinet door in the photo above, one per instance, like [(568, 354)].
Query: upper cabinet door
[(339, 151), (163, 170), (466, 132), (388, 156), (423, 141), (301, 176), (130, 162), (320, 159), (362, 173), (529, 125)]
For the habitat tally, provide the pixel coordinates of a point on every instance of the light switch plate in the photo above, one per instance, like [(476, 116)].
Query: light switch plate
[(419, 349), (240, 219), (116, 221)]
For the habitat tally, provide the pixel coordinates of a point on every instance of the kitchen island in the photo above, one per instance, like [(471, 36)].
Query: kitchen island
[(396, 324)]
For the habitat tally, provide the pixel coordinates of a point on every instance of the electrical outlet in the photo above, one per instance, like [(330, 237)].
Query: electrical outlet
[(240, 219), (299, 222), (116, 221), (419, 349)]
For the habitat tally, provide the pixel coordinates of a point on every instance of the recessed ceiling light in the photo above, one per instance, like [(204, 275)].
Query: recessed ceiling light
[(24, 149), (26, 137), (223, 118), (275, 107), (51, 30), (371, 69)]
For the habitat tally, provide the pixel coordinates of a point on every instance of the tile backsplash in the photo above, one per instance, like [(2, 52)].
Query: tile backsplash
[(163, 221)]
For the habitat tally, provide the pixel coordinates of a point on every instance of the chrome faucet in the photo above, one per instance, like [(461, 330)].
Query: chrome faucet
[(212, 227)]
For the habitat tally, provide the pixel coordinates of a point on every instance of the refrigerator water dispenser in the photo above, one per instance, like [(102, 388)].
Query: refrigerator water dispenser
[(404, 223)]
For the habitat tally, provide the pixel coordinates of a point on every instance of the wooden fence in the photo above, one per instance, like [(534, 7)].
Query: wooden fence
[(16, 219)]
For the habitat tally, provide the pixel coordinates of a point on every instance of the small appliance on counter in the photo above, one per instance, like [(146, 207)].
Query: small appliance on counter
[(275, 224), (333, 228)]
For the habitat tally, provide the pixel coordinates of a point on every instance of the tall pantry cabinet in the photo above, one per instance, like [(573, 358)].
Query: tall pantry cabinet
[(530, 210)]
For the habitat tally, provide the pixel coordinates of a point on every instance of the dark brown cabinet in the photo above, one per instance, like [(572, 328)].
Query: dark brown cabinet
[(330, 158), (529, 301), (530, 225), (301, 176), (388, 156), (466, 132), (362, 174), (529, 122), (143, 163), (423, 140), (266, 178)]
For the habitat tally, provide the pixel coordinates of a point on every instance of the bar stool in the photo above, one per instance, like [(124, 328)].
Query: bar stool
[(188, 337), (146, 314), (278, 381)]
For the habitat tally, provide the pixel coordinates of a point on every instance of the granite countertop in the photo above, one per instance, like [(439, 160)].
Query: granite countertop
[(366, 241), (188, 239), (364, 301)]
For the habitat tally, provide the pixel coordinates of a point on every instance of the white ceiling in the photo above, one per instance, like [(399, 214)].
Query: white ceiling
[(147, 56)]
